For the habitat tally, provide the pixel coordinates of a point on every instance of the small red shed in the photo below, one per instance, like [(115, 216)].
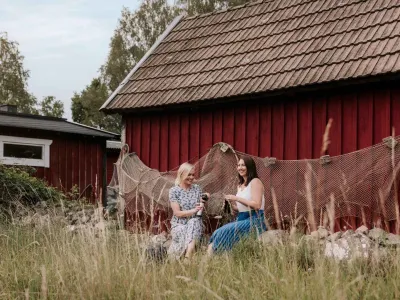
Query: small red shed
[(265, 78), (64, 153)]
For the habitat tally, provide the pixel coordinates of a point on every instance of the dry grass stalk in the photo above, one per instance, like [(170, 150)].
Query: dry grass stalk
[(307, 225), (325, 137), (44, 283), (310, 204), (396, 193), (331, 213), (283, 221), (325, 219), (276, 208), (321, 217), (324, 148), (383, 210), (363, 216), (295, 222)]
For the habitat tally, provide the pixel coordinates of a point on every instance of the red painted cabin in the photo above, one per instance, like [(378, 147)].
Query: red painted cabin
[(265, 78), (65, 154)]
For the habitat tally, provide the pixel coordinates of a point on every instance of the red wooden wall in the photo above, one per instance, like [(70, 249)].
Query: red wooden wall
[(112, 157), (74, 160), (286, 128)]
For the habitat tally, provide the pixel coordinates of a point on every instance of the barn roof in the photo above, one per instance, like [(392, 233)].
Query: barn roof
[(264, 46), (19, 120)]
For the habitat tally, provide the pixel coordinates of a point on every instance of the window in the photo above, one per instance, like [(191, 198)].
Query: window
[(24, 151)]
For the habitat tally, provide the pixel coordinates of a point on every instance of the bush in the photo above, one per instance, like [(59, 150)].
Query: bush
[(18, 186)]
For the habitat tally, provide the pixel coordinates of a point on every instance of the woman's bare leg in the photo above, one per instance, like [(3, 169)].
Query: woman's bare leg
[(190, 249), (210, 250)]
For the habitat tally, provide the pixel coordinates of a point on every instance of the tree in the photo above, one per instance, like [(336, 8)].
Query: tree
[(51, 107), (136, 32), (86, 104), (196, 7), (14, 77)]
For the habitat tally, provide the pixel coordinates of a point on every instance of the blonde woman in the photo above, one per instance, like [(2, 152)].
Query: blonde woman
[(186, 225)]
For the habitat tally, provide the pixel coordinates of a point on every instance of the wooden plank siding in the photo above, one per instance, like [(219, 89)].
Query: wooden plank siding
[(73, 161), (289, 128)]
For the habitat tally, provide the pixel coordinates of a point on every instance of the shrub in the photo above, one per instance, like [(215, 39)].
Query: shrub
[(18, 186)]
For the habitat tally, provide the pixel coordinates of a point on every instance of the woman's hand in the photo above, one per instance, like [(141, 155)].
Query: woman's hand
[(197, 208), (184, 213), (231, 198)]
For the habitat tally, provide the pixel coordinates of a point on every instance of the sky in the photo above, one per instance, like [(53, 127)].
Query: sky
[(64, 42)]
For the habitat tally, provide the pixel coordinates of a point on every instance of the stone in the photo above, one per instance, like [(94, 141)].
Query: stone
[(377, 234), (349, 247), (392, 240), (100, 226), (362, 229), (334, 236), (167, 244), (158, 240), (348, 233), (322, 232), (85, 219), (273, 237)]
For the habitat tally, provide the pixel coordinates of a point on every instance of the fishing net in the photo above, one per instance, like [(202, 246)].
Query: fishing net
[(360, 184)]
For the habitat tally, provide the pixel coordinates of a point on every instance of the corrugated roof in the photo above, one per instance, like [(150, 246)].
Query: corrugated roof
[(114, 145), (8, 119), (266, 46)]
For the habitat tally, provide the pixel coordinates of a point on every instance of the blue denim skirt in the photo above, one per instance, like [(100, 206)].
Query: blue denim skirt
[(246, 223)]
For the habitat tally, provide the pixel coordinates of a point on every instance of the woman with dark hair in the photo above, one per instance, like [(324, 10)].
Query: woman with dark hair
[(249, 202)]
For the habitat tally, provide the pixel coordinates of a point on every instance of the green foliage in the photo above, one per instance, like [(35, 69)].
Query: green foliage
[(198, 7), (136, 32), (52, 107), (14, 77), (86, 104), (18, 186), (14, 83)]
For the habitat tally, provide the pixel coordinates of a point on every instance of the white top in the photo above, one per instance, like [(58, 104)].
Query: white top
[(246, 194)]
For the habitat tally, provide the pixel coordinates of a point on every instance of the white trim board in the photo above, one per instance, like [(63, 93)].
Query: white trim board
[(45, 144)]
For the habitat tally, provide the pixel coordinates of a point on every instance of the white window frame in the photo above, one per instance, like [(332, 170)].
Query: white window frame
[(45, 144)]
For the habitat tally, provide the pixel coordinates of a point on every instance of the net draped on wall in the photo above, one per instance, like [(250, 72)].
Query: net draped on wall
[(359, 184)]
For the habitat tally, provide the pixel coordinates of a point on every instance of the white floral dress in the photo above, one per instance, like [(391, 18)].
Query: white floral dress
[(186, 229)]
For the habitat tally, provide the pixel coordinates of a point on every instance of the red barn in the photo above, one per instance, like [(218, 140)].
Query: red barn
[(265, 78), (64, 153)]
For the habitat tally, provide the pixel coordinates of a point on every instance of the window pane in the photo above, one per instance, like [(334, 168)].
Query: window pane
[(23, 151)]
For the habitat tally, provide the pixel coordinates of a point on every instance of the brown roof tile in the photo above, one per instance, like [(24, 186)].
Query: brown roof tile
[(266, 45)]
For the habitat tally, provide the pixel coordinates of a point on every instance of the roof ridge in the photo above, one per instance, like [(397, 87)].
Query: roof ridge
[(26, 115), (232, 8), (90, 127), (283, 57), (249, 4), (274, 73)]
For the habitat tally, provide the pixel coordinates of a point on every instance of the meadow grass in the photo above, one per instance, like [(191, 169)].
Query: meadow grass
[(52, 263)]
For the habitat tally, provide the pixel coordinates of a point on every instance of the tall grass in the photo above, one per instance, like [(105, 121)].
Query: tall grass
[(52, 263)]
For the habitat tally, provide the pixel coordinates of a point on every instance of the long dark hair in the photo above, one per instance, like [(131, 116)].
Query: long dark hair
[(251, 170)]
